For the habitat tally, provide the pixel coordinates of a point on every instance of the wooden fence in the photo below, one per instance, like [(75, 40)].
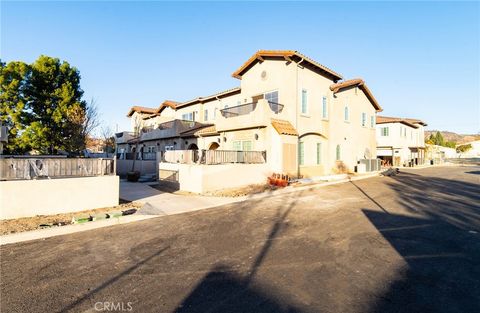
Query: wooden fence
[(230, 156), (31, 168)]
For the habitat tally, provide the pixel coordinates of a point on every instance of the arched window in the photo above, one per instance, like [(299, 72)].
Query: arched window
[(338, 153), (346, 113)]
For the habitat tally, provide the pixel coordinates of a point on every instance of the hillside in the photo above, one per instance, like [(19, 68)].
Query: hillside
[(451, 136)]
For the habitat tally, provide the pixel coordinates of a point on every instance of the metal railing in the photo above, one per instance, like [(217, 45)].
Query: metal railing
[(211, 157), (31, 168), (147, 156), (247, 108), (275, 107), (238, 110)]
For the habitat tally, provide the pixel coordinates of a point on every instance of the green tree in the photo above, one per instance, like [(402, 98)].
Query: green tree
[(42, 105), (450, 144), (464, 148), (439, 139), (13, 82)]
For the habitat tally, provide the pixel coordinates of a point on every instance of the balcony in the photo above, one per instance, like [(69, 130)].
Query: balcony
[(247, 115), (124, 137)]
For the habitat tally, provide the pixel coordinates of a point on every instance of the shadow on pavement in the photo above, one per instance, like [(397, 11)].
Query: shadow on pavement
[(224, 290), (440, 244)]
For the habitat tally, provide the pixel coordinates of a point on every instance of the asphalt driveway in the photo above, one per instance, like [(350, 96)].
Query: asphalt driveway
[(409, 243)]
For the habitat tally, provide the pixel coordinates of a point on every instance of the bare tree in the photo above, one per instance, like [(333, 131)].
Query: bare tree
[(92, 119), (108, 139)]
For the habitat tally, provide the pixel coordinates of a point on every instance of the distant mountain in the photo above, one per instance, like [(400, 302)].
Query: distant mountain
[(451, 136)]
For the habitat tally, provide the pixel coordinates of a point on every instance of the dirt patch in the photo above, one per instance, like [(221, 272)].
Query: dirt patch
[(244, 191), (31, 223)]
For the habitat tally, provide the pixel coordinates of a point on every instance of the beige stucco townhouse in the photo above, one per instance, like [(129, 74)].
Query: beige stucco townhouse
[(401, 141), (309, 121)]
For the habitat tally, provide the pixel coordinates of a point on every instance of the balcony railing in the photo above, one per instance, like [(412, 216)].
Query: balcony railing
[(245, 109), (275, 107), (242, 109)]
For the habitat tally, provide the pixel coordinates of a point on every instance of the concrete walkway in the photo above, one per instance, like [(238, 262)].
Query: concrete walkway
[(156, 202)]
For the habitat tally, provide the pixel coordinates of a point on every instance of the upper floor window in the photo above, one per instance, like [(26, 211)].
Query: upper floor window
[(384, 131), (242, 145), (372, 121), (364, 119), (272, 96), (324, 107), (205, 115), (346, 113), (188, 116), (304, 101)]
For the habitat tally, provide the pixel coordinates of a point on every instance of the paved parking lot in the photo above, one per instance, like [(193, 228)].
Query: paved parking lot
[(409, 243)]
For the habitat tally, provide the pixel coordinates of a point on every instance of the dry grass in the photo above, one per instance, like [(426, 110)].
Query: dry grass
[(34, 222)]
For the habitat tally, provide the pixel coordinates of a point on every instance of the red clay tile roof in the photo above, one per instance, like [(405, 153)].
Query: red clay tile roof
[(140, 110), (416, 121), (209, 130), (221, 94), (167, 103), (360, 83), (289, 56), (406, 121), (284, 127)]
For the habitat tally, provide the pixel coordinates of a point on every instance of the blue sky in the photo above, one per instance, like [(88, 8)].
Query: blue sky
[(420, 59)]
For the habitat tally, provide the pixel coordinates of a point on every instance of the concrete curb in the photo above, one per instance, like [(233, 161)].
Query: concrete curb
[(70, 229)]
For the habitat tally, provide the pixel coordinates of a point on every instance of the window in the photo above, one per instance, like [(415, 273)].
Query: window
[(215, 113), (205, 115), (338, 153), (384, 131), (247, 145), (301, 153), (239, 145), (188, 116), (304, 101), (364, 119), (401, 131), (345, 113), (272, 96), (324, 107), (372, 121), (319, 152)]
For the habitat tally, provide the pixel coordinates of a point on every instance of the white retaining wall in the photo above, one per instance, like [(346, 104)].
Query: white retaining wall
[(200, 178), (23, 198)]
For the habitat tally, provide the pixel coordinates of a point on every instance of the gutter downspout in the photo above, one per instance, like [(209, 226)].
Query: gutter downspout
[(296, 116)]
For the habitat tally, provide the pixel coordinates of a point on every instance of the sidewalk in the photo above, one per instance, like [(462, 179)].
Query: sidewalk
[(156, 202)]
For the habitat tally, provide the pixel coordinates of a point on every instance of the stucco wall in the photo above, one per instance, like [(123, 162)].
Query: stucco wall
[(204, 178), (356, 141), (25, 198)]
